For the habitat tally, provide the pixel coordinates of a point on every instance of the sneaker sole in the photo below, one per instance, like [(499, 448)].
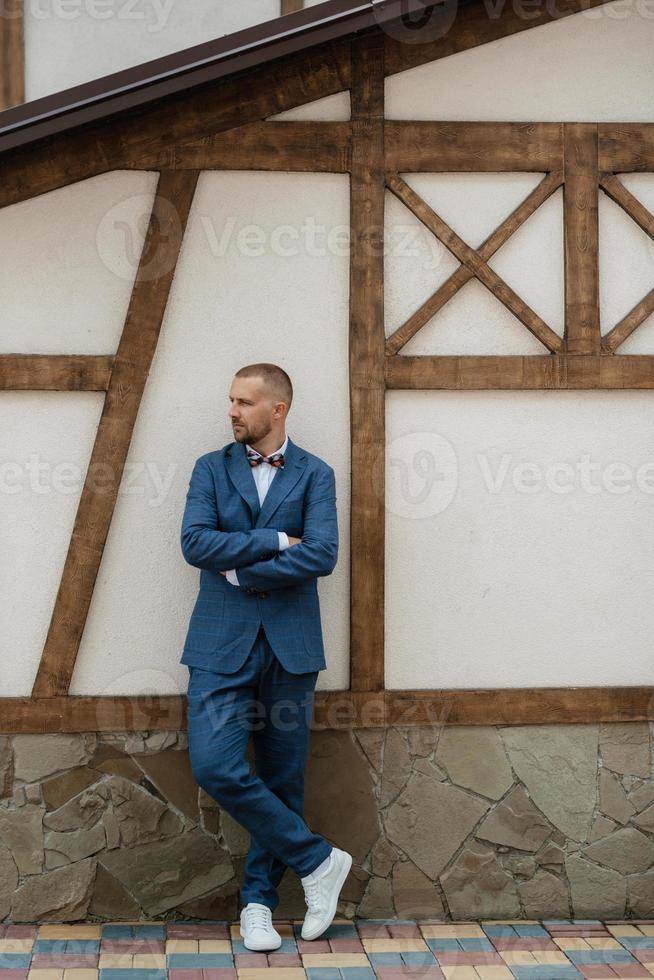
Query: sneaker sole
[(259, 949), (337, 891)]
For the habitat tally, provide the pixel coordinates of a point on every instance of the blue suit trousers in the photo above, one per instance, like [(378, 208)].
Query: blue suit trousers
[(264, 700)]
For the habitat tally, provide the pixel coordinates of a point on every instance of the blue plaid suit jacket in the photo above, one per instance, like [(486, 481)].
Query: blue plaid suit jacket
[(224, 527)]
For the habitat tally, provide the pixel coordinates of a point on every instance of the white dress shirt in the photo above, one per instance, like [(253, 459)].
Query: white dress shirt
[(264, 474)]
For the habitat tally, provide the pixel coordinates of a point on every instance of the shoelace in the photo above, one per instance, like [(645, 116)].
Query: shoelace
[(258, 918), (312, 894)]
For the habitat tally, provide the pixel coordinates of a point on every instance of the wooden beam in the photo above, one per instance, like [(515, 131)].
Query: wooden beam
[(626, 147), (12, 54), (309, 147), (582, 333), (342, 710), (520, 706), (290, 6), (547, 371), (54, 372), (439, 146), (130, 371), (366, 347)]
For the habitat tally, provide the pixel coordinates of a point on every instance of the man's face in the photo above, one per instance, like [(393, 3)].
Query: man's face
[(251, 410)]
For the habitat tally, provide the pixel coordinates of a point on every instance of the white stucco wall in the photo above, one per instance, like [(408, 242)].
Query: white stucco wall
[(505, 565)]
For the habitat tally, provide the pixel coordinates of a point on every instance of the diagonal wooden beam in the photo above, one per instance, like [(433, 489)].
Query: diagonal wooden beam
[(12, 54), (472, 259), (463, 274), (626, 326), (130, 371), (366, 361), (616, 190), (55, 372)]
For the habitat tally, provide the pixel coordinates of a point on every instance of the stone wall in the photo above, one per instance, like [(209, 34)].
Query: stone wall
[(454, 822)]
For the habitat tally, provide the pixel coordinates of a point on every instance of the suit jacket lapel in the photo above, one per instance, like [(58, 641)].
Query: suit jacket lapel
[(283, 481), (241, 474)]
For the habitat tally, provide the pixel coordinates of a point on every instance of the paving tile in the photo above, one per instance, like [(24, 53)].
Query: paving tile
[(405, 944), (284, 959), (198, 961), (276, 973), (118, 974), (64, 960), (16, 945), (444, 945), (337, 960), (345, 946), (313, 946), (600, 956), (549, 972), (469, 959)]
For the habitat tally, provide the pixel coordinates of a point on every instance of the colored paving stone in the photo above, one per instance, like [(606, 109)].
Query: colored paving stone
[(349, 950)]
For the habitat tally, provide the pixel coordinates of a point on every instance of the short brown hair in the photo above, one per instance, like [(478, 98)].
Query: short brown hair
[(274, 378)]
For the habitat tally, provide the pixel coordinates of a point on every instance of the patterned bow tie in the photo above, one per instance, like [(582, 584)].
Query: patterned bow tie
[(275, 459)]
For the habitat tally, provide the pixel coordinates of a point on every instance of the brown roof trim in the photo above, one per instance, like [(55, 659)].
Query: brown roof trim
[(191, 67)]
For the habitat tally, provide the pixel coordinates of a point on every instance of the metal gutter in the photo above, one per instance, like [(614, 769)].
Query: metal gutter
[(191, 67)]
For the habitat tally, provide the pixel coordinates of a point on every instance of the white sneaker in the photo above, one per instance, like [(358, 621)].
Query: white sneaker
[(321, 893), (257, 929)]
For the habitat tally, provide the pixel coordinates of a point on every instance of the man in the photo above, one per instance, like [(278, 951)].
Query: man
[(260, 522)]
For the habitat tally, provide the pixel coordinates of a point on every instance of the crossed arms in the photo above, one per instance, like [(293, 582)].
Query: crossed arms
[(257, 553)]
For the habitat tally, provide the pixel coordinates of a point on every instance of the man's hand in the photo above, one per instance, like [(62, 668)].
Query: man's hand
[(291, 541)]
